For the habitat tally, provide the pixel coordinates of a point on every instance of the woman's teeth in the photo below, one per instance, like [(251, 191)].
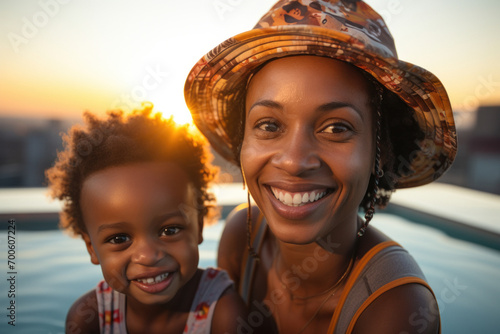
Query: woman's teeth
[(297, 199), (153, 280)]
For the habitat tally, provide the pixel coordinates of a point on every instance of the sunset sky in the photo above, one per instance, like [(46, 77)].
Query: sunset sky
[(61, 57)]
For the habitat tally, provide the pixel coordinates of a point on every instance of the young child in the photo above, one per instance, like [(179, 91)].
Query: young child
[(135, 189)]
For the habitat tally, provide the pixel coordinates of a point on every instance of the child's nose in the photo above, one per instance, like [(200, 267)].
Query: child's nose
[(146, 252)]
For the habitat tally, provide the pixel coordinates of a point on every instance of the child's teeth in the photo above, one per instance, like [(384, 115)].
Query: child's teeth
[(151, 280), (160, 278)]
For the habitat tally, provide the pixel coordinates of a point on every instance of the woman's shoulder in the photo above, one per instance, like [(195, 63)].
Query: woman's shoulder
[(370, 240), (83, 315), (408, 307)]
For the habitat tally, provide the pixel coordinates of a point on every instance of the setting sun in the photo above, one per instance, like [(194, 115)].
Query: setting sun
[(181, 116)]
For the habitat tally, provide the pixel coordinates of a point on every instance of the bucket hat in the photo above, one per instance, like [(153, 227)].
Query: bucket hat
[(349, 31)]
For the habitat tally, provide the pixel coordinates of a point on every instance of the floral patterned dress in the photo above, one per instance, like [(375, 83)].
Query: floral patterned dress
[(111, 304)]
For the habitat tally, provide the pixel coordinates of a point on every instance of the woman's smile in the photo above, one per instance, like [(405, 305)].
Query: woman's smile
[(298, 205), (298, 198)]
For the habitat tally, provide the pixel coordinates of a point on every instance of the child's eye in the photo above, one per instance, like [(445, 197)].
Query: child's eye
[(170, 230), (118, 239)]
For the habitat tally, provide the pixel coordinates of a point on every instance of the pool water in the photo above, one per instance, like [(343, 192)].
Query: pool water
[(53, 270)]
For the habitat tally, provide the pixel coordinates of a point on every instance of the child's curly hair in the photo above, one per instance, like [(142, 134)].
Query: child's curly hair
[(140, 136)]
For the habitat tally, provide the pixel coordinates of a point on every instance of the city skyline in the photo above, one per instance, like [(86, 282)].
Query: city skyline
[(60, 57)]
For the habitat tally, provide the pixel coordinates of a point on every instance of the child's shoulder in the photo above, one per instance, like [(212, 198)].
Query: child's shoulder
[(214, 303), (230, 307), (83, 315), (212, 284)]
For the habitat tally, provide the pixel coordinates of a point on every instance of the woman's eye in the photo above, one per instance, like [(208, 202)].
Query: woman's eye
[(171, 230), (118, 239), (268, 126), (336, 128)]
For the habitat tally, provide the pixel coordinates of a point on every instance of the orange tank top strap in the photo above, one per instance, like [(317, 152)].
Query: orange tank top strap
[(384, 267)]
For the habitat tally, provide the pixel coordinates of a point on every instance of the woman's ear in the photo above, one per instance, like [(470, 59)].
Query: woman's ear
[(90, 248)]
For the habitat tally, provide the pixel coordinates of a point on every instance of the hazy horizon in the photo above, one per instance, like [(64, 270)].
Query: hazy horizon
[(60, 58)]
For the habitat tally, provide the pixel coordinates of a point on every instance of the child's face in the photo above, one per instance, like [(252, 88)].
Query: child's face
[(143, 228)]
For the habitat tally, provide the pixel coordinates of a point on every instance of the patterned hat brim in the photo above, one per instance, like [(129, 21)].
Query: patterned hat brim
[(210, 90)]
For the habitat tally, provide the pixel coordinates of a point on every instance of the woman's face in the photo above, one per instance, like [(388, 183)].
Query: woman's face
[(143, 229), (308, 146)]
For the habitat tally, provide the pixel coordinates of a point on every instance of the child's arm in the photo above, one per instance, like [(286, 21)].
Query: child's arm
[(229, 313), (83, 316)]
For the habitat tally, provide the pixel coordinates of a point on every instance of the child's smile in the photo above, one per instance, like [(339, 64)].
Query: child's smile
[(143, 229), (153, 284)]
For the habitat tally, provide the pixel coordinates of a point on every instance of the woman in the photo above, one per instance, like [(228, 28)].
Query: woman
[(323, 119)]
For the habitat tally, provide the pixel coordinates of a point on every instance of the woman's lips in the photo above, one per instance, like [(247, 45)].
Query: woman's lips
[(154, 284), (297, 205)]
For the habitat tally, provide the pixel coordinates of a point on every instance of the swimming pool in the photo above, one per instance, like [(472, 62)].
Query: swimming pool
[(52, 270)]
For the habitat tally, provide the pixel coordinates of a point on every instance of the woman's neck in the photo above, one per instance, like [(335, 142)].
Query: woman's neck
[(309, 270)]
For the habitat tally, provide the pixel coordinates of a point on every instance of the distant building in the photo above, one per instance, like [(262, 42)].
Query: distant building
[(477, 164), (27, 149), (484, 151), (11, 159), (40, 152)]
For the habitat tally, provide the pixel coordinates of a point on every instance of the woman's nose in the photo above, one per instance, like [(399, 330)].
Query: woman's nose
[(146, 252), (297, 153)]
